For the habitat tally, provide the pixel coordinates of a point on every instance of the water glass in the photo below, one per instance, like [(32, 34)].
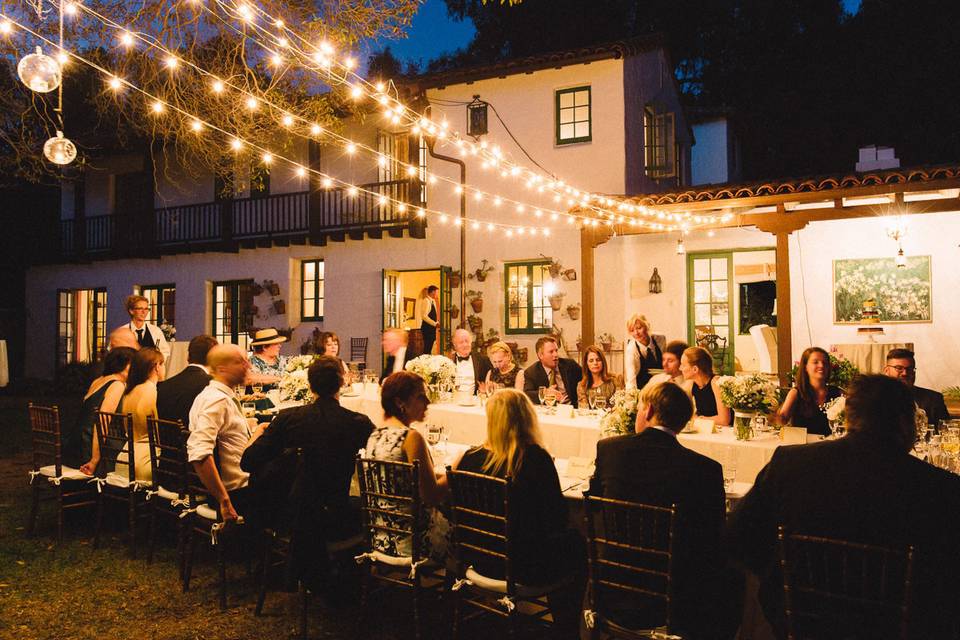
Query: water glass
[(257, 387), (601, 403), (729, 465), (550, 400), (542, 394), (433, 434), (482, 395), (249, 409)]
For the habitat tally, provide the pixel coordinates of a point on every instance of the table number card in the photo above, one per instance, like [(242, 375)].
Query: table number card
[(579, 468), (703, 425), (793, 435)]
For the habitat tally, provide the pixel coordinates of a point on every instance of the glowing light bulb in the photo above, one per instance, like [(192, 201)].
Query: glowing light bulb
[(6, 27), (352, 191), (252, 103), (402, 208), (411, 171), (267, 158), (382, 201), (349, 63), (278, 24), (327, 183), (115, 83), (351, 148), (474, 225), (287, 120), (478, 196), (380, 87), (316, 129), (276, 60), (497, 201), (356, 92), (301, 172), (70, 9), (217, 86), (421, 213), (546, 232), (490, 226), (157, 107), (236, 144), (126, 39), (443, 218), (245, 12), (283, 42), (196, 125)]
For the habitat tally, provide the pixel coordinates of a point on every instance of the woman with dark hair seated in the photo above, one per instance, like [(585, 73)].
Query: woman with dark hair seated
[(331, 347), (803, 405), (546, 550), (140, 401), (267, 366), (404, 400), (79, 446)]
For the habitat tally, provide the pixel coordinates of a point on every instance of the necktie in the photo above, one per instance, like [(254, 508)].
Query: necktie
[(552, 378), (140, 337)]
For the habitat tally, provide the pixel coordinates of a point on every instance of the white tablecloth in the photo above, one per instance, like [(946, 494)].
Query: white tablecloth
[(567, 437), (870, 357), (178, 357), (4, 365)]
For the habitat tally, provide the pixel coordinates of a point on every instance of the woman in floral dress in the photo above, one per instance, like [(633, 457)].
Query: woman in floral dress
[(267, 366), (404, 401)]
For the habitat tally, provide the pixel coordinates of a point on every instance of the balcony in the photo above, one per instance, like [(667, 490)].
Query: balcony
[(229, 225)]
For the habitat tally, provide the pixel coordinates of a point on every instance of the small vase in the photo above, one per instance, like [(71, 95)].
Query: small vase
[(433, 393), (743, 424)]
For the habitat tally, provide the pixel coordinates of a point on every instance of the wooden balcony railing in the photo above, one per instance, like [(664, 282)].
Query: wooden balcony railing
[(280, 217)]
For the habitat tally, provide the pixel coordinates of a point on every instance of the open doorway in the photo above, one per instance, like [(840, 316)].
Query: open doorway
[(401, 289)]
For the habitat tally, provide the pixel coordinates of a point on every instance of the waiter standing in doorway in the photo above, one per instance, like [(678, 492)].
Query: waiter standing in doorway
[(426, 314)]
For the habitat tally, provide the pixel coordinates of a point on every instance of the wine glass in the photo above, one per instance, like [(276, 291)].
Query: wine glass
[(601, 402), (433, 434), (729, 466), (257, 388), (542, 394), (591, 399), (950, 444), (550, 399)]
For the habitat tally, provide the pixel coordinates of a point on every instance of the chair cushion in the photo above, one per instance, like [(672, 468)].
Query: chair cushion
[(115, 479), (167, 495), (207, 512), (393, 561), (500, 586), (67, 473)]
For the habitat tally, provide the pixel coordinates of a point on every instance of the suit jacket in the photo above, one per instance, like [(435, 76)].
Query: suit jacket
[(388, 366), (535, 376), (856, 488), (636, 370), (481, 366), (175, 395), (933, 404), (652, 467)]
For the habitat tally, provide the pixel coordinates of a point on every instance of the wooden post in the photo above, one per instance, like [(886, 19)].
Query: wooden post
[(587, 324), (784, 323)]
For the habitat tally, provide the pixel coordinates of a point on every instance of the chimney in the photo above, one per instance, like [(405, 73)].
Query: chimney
[(874, 158)]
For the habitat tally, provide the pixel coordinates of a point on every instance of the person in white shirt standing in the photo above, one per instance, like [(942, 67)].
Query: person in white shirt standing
[(217, 422), (147, 334)]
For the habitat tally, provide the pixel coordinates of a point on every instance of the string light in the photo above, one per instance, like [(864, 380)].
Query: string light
[(115, 83), (157, 107)]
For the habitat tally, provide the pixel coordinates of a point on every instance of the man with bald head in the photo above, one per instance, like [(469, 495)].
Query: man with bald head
[(472, 368), (122, 337), (217, 424)]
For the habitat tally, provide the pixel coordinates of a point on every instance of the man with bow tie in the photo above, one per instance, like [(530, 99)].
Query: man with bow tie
[(472, 367)]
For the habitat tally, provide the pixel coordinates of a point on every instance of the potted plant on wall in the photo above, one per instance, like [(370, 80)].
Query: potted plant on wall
[(476, 324), (556, 300), (606, 341), (455, 279), (476, 300), (454, 312), (554, 268), (573, 310), (481, 273)]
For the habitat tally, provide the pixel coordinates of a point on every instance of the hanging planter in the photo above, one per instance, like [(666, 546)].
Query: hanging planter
[(554, 268), (606, 341), (476, 300), (454, 312), (569, 274), (481, 273), (476, 324), (573, 310), (556, 301), (454, 279), (522, 354), (279, 307)]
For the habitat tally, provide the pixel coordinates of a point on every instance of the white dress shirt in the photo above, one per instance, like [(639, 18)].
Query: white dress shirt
[(465, 374), (216, 422), (157, 335), (398, 359)]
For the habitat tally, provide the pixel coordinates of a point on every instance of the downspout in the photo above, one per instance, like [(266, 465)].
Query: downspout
[(463, 223)]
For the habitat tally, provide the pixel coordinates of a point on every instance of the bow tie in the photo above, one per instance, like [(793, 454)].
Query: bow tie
[(462, 359)]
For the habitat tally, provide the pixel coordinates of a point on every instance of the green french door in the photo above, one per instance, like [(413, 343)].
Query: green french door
[(710, 306)]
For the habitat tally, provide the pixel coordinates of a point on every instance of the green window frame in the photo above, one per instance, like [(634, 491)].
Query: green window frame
[(526, 288), (311, 290), (232, 311), (163, 302), (76, 306), (574, 115)]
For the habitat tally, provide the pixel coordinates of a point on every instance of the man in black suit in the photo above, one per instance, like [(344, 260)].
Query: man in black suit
[(550, 370), (394, 343), (864, 487), (902, 365), (176, 394), (652, 467), (472, 368), (319, 499)]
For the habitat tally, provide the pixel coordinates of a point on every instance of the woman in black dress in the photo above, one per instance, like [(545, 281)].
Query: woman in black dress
[(545, 548), (696, 365), (804, 404)]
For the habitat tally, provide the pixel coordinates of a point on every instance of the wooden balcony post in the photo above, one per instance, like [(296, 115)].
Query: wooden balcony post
[(315, 196), (79, 216), (226, 221)]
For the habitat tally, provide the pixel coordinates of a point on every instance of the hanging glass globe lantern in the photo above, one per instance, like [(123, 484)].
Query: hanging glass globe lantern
[(59, 150), (40, 72)]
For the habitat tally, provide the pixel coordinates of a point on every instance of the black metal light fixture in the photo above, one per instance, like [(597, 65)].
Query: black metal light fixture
[(477, 117), (656, 282)]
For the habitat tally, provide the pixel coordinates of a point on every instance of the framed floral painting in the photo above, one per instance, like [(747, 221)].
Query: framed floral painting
[(902, 294)]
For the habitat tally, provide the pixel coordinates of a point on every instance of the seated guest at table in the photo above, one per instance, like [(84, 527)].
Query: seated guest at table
[(330, 437), (803, 406), (267, 366), (395, 349), (552, 371), (425, 316), (331, 347), (640, 353), (122, 337), (147, 334), (140, 401), (671, 365), (176, 394), (503, 370), (696, 365), (404, 401), (217, 424), (864, 487), (79, 447), (902, 364), (652, 467), (545, 548), (472, 368), (596, 377)]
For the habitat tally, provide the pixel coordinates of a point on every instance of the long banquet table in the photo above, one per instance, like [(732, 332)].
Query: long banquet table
[(569, 436)]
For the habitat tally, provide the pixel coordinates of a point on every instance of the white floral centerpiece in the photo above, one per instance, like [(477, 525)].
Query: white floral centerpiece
[(836, 412), (747, 396), (168, 330), (437, 372), (622, 418), (294, 385)]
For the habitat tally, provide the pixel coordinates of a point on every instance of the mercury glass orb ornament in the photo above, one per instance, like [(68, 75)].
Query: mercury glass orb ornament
[(59, 150), (40, 72)]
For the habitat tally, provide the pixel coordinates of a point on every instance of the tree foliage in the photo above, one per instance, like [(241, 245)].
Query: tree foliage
[(808, 82), (214, 39)]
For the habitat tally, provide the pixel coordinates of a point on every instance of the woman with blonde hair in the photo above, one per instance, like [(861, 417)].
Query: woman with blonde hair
[(596, 377), (505, 372), (696, 365), (640, 353), (545, 549)]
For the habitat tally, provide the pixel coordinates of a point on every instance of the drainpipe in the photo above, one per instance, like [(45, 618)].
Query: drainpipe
[(463, 225)]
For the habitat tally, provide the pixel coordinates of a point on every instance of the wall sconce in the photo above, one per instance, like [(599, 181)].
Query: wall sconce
[(680, 248), (656, 282), (896, 232)]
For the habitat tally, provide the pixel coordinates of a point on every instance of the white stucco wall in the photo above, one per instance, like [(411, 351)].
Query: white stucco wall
[(708, 157)]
